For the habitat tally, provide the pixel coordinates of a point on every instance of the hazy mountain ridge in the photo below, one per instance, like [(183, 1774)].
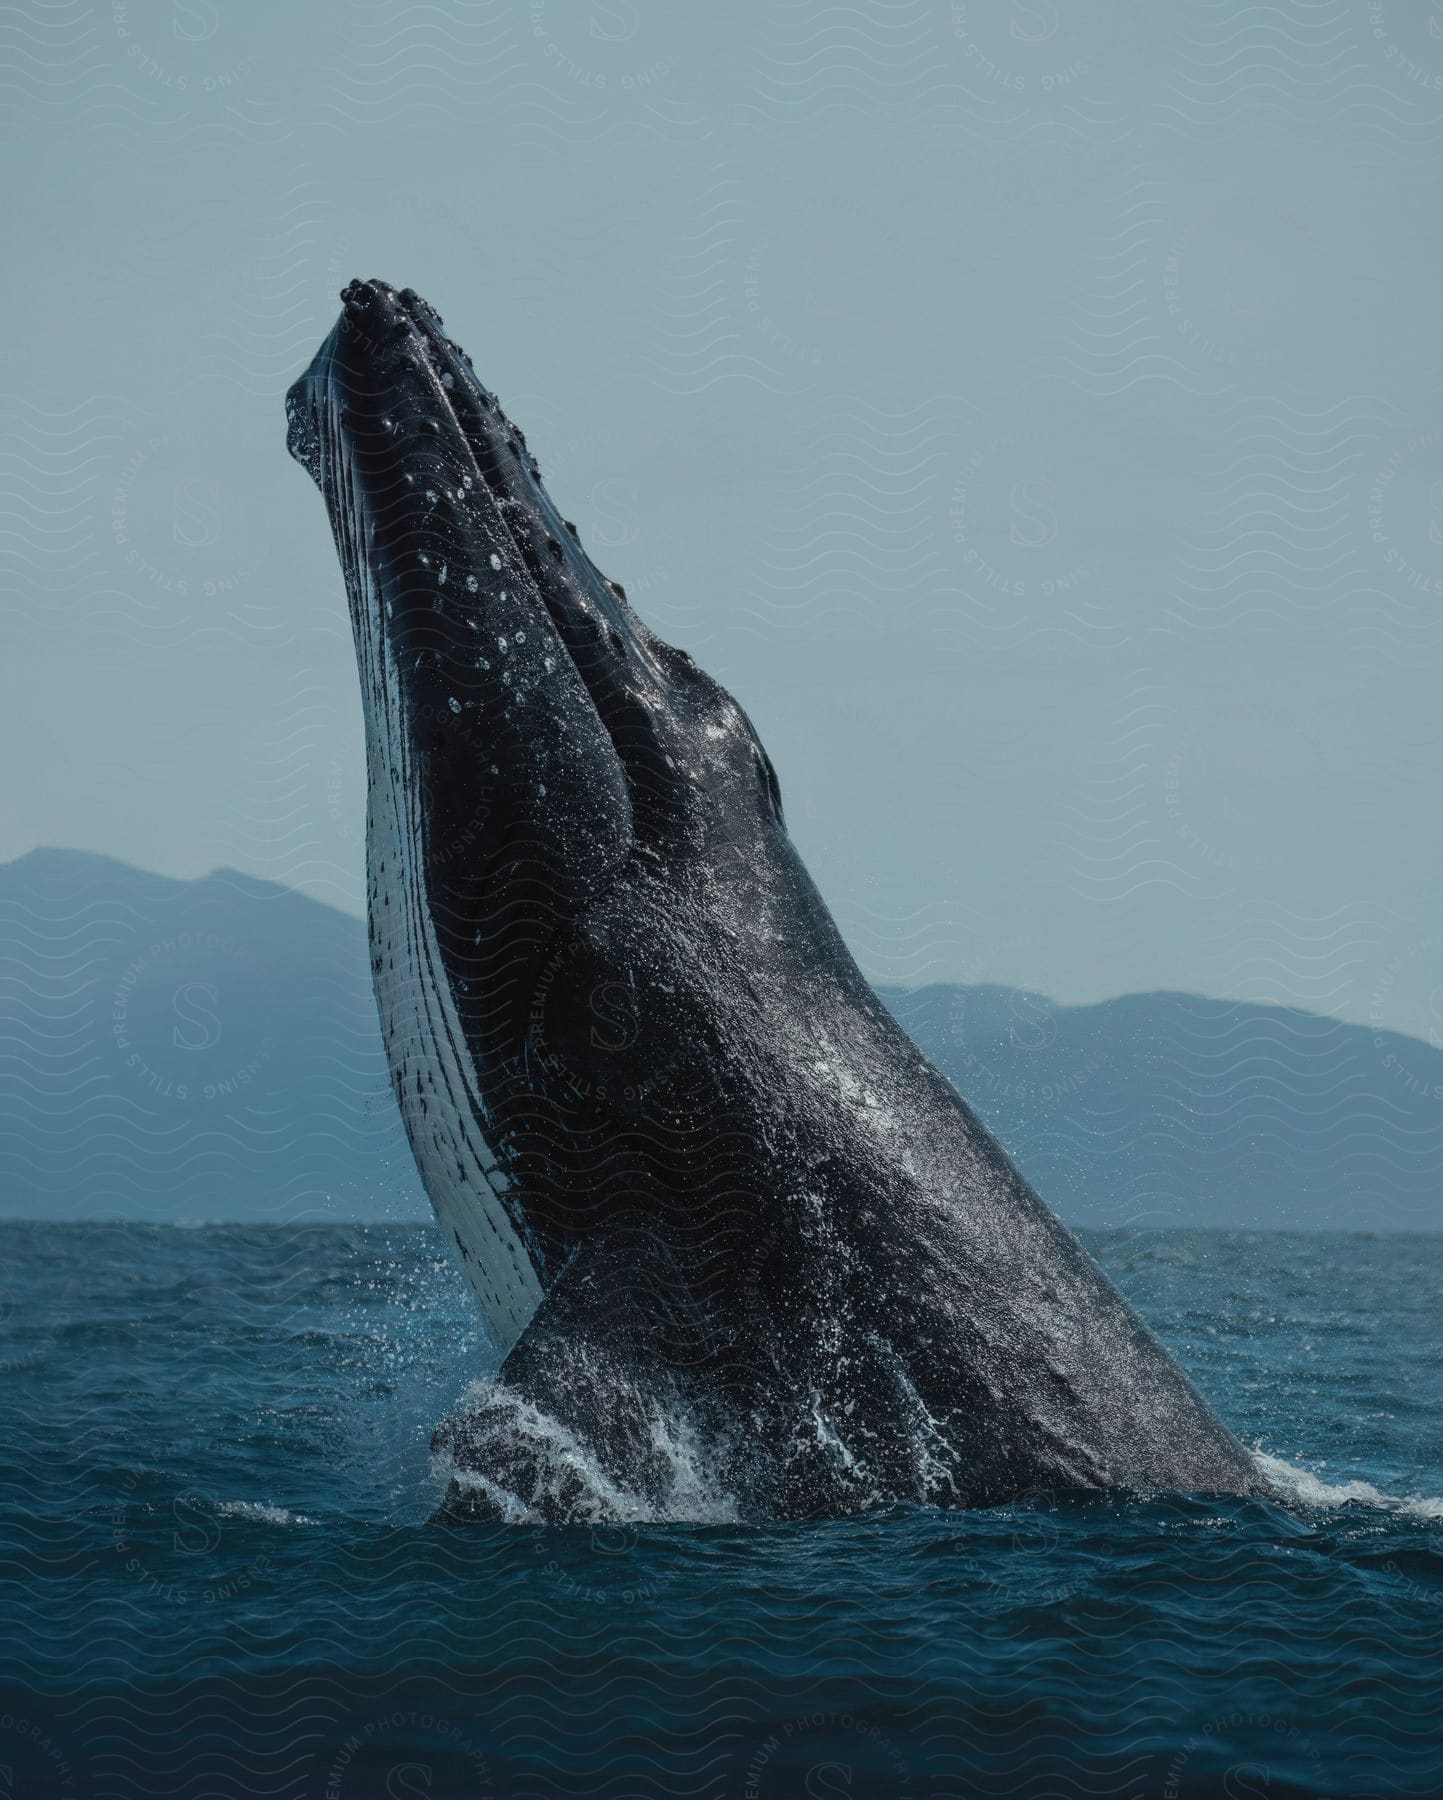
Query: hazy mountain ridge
[(209, 1049), (197, 1049)]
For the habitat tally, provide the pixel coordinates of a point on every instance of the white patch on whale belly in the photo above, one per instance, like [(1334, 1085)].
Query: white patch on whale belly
[(430, 1062)]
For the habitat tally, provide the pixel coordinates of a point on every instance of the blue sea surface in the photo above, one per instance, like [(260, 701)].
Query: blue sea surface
[(218, 1577)]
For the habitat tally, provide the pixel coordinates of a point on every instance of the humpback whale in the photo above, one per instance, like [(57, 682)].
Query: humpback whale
[(743, 1246)]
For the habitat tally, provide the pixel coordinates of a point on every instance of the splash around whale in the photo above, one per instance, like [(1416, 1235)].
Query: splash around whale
[(749, 1252)]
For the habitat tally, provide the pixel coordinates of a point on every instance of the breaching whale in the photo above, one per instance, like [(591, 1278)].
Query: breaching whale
[(745, 1247)]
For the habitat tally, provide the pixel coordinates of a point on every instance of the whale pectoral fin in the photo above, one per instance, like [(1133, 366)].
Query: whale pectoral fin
[(571, 1427)]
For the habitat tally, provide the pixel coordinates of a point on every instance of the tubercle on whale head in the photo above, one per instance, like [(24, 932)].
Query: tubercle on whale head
[(486, 634)]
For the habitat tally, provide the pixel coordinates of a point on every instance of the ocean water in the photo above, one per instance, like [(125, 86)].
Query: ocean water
[(218, 1578)]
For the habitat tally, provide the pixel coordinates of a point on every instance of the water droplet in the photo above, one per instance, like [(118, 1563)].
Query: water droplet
[(424, 560), (441, 578), (501, 642), (430, 496), (454, 704), (496, 564), (448, 379), (472, 584), (541, 789), (520, 637)]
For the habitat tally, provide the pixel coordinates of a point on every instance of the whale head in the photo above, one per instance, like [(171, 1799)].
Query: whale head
[(567, 818), (514, 670)]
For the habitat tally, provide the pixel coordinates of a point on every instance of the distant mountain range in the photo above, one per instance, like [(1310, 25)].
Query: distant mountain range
[(209, 1050)]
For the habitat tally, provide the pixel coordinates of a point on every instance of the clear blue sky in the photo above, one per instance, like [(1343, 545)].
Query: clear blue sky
[(1032, 412)]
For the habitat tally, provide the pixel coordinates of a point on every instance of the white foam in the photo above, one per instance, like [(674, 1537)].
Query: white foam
[(257, 1509), (1304, 1486), (689, 1490)]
